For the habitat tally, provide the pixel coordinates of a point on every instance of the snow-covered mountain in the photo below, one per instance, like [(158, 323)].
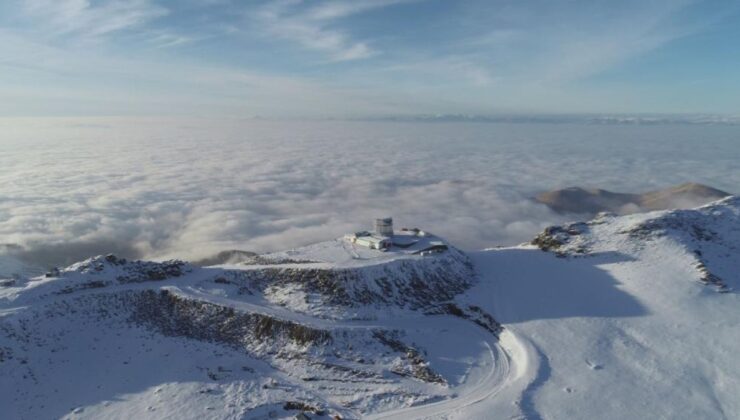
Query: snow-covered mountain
[(620, 317)]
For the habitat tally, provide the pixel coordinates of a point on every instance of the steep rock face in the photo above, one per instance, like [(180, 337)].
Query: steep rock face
[(172, 315), (710, 234)]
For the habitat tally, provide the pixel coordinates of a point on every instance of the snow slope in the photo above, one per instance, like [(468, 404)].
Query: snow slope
[(620, 317), (138, 339)]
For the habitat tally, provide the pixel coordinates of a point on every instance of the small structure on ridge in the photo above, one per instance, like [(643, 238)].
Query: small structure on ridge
[(384, 227), (412, 241), (381, 239), (373, 242)]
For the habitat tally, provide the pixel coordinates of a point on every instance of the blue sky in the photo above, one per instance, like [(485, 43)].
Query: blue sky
[(292, 58)]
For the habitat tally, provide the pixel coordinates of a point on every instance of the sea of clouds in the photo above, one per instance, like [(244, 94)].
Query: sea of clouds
[(188, 188)]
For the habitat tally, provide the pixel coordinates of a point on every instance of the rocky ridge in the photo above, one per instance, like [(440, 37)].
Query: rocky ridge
[(709, 234), (233, 308)]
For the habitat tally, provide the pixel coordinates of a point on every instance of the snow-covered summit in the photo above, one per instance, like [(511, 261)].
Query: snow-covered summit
[(709, 236), (613, 318), (620, 315), (344, 253), (308, 331)]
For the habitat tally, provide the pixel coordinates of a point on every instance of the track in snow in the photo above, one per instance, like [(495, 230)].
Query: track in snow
[(515, 364), (497, 378), (508, 361)]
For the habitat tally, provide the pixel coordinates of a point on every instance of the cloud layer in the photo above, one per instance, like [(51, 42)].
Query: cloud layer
[(188, 188)]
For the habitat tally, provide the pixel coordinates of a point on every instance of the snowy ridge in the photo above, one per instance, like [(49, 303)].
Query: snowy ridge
[(413, 284), (618, 315), (709, 235), (617, 318), (338, 283), (285, 316)]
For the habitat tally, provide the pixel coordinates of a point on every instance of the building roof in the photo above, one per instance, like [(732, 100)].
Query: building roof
[(372, 239)]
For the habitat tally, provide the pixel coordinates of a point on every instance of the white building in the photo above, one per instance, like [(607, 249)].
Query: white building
[(380, 239), (373, 242), (384, 227)]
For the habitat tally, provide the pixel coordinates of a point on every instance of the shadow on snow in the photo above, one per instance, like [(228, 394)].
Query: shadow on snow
[(529, 284)]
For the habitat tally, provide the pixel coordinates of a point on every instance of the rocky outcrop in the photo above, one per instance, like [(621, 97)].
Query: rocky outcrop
[(470, 312), (415, 284), (126, 271), (416, 366), (680, 222), (709, 234), (174, 316), (709, 278), (555, 238)]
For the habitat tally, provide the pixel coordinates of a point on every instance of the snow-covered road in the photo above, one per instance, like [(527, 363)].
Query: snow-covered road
[(509, 363), (496, 369), (498, 377), (504, 367)]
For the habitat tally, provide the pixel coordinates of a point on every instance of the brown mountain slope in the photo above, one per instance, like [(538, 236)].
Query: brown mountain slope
[(582, 200)]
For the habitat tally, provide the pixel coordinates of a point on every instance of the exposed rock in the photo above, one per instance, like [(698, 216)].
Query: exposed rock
[(553, 238), (709, 233), (302, 406), (473, 313), (591, 201), (93, 284), (175, 316), (681, 196), (128, 271), (412, 283), (709, 278), (416, 367), (673, 221)]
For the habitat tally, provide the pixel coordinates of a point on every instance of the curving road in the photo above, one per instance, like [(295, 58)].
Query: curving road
[(510, 364), (500, 377)]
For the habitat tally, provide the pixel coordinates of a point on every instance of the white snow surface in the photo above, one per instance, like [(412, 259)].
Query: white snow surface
[(342, 253), (616, 322)]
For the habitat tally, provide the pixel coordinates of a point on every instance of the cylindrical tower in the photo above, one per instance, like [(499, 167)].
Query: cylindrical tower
[(384, 226)]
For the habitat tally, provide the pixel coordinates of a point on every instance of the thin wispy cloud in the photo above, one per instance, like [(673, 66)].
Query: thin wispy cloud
[(379, 57), (336, 9), (82, 17), (632, 30), (309, 25)]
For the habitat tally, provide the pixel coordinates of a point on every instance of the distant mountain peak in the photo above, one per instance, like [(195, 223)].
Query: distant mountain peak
[(594, 200)]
